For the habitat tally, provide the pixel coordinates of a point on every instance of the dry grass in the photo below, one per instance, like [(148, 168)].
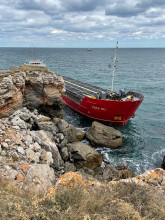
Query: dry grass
[(121, 202)]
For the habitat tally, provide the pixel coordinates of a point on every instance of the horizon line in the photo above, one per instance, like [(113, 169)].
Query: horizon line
[(84, 47)]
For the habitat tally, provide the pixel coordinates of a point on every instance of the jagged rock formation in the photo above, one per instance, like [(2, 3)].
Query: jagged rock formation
[(35, 150), (104, 136), (33, 87)]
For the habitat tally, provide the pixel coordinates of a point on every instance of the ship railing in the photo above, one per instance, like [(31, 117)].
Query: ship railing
[(136, 94), (76, 97)]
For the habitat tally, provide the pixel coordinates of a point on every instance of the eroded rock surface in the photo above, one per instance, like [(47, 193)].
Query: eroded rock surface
[(31, 142), (104, 136), (33, 87), (84, 155)]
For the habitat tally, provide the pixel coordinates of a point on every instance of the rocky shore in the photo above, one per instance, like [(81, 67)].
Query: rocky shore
[(37, 146)]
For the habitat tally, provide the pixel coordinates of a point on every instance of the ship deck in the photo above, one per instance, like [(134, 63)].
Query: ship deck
[(81, 89), (77, 91)]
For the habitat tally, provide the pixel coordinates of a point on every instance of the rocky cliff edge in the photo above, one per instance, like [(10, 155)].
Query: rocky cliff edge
[(32, 87)]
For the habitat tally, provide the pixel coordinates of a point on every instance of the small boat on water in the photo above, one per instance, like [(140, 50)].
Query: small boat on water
[(36, 62), (100, 104), (89, 49)]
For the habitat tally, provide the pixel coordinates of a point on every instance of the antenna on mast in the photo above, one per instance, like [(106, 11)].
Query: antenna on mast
[(114, 65)]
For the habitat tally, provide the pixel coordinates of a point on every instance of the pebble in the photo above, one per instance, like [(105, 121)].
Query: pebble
[(7, 140), (61, 136), (2, 132), (3, 153), (37, 157), (31, 155), (5, 145), (37, 146), (16, 128), (49, 158), (15, 156), (3, 127), (21, 150), (29, 139)]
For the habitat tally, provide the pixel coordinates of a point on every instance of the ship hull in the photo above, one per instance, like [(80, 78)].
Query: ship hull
[(105, 111)]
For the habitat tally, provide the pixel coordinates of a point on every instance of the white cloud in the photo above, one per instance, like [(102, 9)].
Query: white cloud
[(55, 31), (73, 20)]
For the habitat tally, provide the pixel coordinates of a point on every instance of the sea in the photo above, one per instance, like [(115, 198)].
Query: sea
[(141, 70)]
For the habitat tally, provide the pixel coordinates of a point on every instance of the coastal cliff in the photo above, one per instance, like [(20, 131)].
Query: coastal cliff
[(32, 87), (42, 153)]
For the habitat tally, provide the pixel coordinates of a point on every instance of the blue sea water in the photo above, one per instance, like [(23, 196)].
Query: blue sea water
[(141, 70)]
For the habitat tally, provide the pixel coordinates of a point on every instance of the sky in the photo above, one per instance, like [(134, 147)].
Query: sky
[(82, 23)]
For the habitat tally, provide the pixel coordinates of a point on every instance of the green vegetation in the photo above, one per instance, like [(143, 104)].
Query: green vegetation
[(119, 202)]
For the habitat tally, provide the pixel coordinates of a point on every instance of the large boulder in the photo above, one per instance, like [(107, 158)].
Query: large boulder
[(84, 156), (104, 136)]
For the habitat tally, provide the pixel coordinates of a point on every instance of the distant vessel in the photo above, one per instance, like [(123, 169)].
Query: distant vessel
[(100, 104), (36, 62), (89, 49)]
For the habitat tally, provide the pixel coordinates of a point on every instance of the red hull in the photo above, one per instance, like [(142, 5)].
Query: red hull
[(106, 111)]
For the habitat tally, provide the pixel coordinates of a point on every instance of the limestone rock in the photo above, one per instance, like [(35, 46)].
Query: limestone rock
[(5, 145), (154, 178), (110, 173), (33, 87), (83, 155), (16, 121), (24, 167), (48, 145), (125, 174), (31, 155), (69, 131), (42, 118), (21, 150), (69, 167), (65, 153), (40, 176), (11, 97), (47, 126), (62, 125), (20, 177), (80, 135), (104, 136)]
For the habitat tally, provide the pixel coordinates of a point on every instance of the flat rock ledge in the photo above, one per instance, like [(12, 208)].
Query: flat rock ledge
[(104, 136)]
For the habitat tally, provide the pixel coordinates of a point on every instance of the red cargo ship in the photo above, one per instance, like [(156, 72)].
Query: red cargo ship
[(100, 104)]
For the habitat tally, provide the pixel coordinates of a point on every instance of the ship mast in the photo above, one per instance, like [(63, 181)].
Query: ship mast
[(114, 65)]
